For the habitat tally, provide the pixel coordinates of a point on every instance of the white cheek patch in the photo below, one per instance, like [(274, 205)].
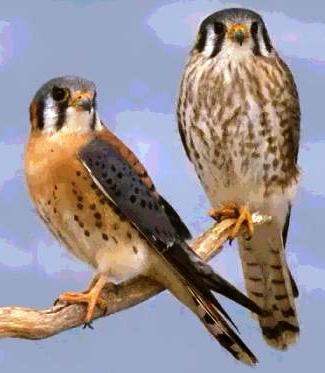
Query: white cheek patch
[(50, 115), (263, 50), (75, 121), (210, 42)]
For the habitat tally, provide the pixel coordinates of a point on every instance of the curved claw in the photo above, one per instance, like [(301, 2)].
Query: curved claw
[(88, 325)]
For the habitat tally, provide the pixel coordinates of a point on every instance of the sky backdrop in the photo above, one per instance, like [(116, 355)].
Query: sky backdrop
[(135, 50)]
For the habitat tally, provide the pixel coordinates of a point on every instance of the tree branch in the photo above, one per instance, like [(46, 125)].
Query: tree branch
[(28, 323)]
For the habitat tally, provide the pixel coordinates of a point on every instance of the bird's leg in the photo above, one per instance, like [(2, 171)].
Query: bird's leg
[(231, 210), (91, 297)]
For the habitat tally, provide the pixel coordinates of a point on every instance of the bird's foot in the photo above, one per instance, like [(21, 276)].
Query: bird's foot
[(228, 211), (231, 210), (91, 297), (244, 218)]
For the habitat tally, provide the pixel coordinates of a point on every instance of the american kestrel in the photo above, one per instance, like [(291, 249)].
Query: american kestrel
[(99, 201), (239, 118)]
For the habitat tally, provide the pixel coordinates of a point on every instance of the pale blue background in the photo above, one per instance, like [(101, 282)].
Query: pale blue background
[(135, 52)]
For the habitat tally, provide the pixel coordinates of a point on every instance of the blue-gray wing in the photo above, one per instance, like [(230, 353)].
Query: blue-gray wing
[(117, 179), (120, 183)]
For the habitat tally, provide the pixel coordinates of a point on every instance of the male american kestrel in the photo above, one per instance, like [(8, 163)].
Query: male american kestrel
[(239, 118), (98, 200)]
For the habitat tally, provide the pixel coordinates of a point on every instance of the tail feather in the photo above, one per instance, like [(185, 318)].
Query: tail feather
[(220, 285), (269, 284), (195, 290), (221, 331)]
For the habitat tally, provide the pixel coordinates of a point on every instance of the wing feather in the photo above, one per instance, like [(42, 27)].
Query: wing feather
[(121, 184)]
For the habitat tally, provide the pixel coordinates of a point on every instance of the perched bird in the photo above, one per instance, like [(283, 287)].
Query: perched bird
[(98, 200), (239, 121)]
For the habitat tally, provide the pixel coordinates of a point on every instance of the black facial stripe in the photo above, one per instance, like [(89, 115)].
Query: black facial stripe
[(62, 111), (256, 48), (267, 40), (218, 44), (40, 115), (93, 121), (200, 44)]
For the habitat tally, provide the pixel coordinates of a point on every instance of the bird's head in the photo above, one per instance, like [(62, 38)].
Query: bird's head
[(233, 33), (65, 104)]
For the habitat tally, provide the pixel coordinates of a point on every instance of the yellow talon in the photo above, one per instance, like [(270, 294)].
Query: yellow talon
[(91, 297), (231, 210)]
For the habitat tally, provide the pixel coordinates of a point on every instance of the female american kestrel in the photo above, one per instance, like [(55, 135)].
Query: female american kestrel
[(98, 200), (239, 118)]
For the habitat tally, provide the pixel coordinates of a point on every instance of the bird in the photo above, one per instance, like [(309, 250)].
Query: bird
[(98, 200), (238, 115)]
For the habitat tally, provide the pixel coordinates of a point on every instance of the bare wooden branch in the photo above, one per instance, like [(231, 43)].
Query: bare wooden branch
[(28, 323)]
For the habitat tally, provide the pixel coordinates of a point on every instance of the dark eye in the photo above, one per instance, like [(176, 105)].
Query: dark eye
[(219, 28), (59, 94), (254, 28)]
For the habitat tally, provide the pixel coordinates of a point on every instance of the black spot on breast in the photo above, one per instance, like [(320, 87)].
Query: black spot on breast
[(87, 234), (119, 175), (92, 206), (97, 215), (80, 206), (78, 173), (133, 198), (76, 218), (135, 249), (105, 237)]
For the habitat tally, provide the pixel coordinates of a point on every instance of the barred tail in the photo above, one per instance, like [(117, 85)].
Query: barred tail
[(270, 285), (220, 330)]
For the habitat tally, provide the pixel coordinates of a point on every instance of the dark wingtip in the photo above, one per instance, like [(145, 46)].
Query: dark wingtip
[(225, 288), (180, 227)]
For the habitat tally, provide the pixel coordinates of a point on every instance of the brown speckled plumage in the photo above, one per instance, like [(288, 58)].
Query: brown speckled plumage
[(238, 117)]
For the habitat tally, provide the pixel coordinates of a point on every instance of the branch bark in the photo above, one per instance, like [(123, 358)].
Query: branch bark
[(28, 323)]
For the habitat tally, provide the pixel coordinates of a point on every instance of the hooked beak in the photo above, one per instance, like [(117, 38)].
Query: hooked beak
[(238, 33), (83, 101), (239, 37)]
